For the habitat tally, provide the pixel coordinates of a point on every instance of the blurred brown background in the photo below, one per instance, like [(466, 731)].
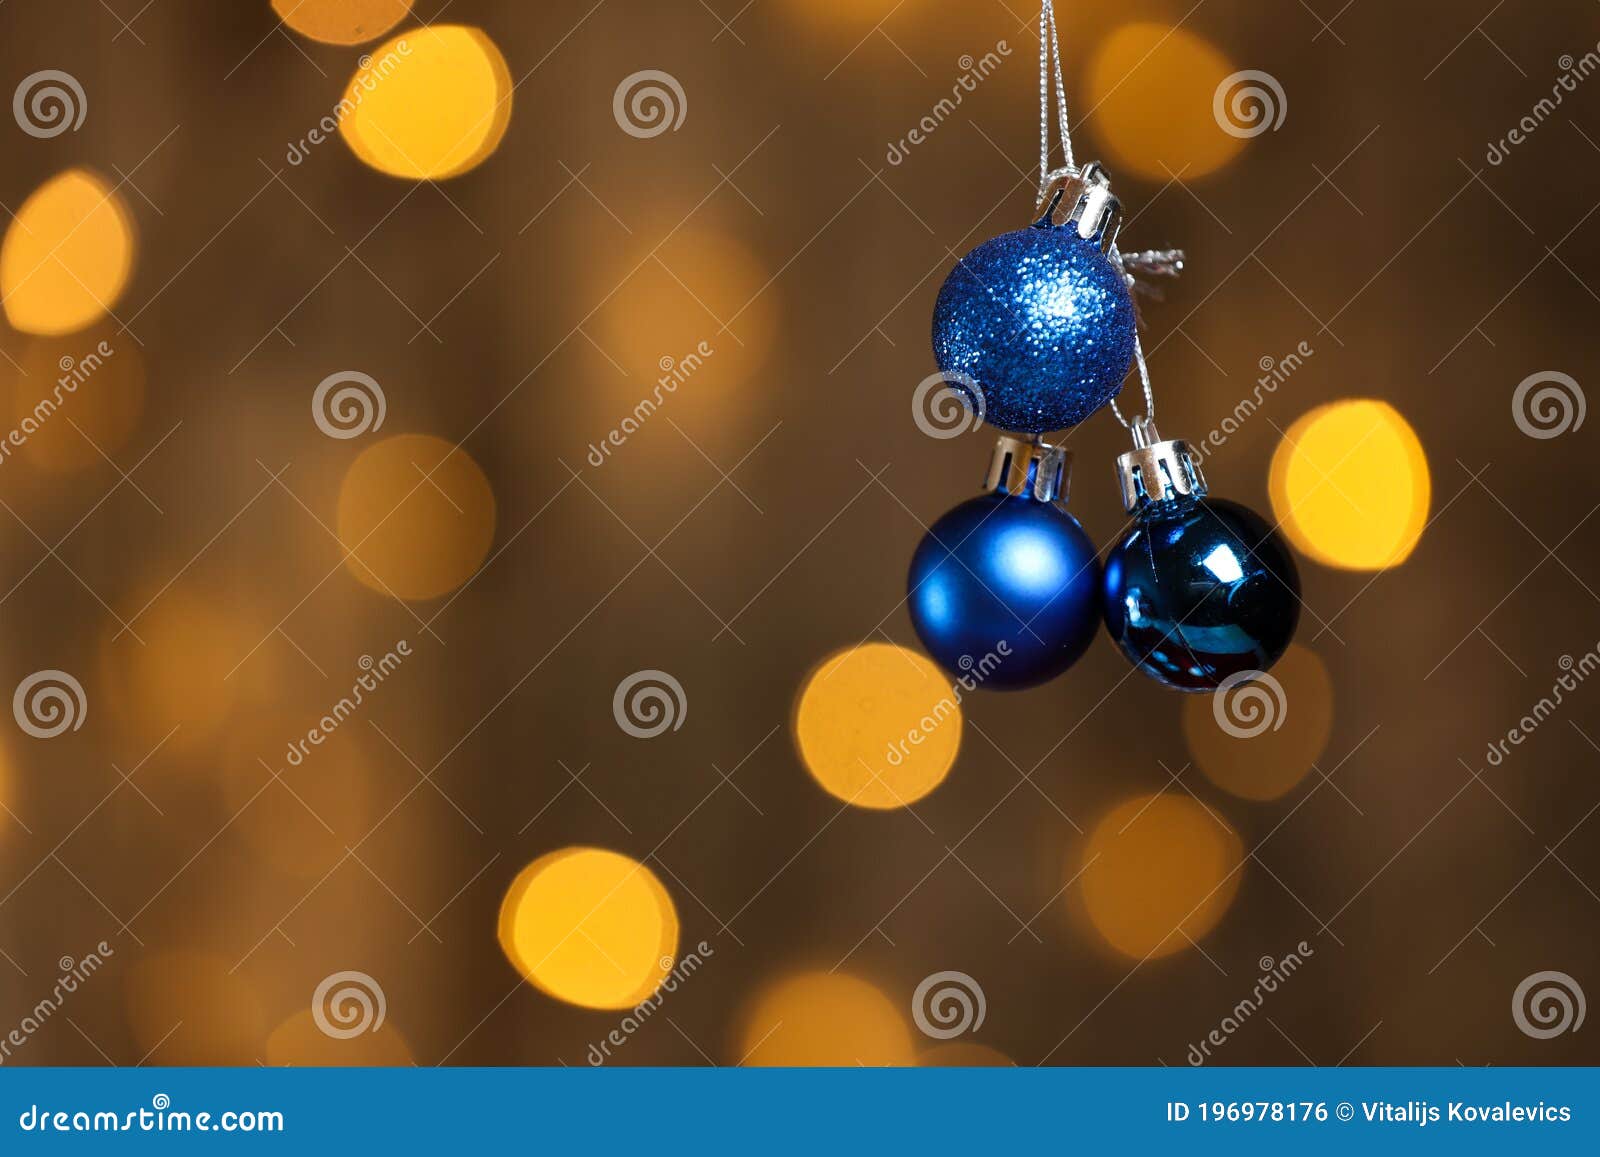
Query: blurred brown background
[(192, 579)]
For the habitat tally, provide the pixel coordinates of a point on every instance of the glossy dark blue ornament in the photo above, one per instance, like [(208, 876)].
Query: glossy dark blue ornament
[(1005, 588), (1199, 588), (1038, 323)]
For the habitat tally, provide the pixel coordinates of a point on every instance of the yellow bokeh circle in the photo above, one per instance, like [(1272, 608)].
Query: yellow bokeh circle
[(341, 21), (188, 1007), (1151, 93), (195, 656), (67, 255), (700, 311), (1157, 873), (878, 726), (1350, 485), (416, 515), (77, 399), (824, 1019), (300, 1041), (591, 927), (428, 104), (964, 1055), (1275, 752)]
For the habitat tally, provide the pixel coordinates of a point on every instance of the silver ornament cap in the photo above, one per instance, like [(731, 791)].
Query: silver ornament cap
[(1082, 199), (1030, 468), (1156, 469)]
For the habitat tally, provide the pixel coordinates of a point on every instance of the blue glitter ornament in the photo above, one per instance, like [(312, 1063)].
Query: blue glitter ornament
[(1005, 588), (1038, 324), (1200, 588)]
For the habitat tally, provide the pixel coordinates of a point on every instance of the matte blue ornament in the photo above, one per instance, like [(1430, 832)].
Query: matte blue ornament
[(1005, 588), (1038, 325), (1200, 588)]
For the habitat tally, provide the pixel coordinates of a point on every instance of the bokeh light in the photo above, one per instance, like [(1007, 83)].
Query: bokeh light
[(1150, 89), (341, 21), (428, 104), (591, 927), (299, 1041), (192, 1008), (1350, 485), (418, 515), (77, 398), (964, 1055), (67, 255), (1157, 873), (878, 726), (662, 305), (1266, 759), (824, 1018), (191, 667)]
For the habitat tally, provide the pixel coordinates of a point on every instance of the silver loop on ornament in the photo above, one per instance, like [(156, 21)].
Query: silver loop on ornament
[(1082, 200), (1157, 469), (1030, 468)]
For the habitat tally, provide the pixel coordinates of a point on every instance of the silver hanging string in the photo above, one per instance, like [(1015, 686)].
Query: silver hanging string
[(1050, 51), (1149, 262), (1138, 348)]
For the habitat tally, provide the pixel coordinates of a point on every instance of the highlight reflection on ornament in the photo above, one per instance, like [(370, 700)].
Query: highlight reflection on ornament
[(1199, 588), (1007, 584)]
